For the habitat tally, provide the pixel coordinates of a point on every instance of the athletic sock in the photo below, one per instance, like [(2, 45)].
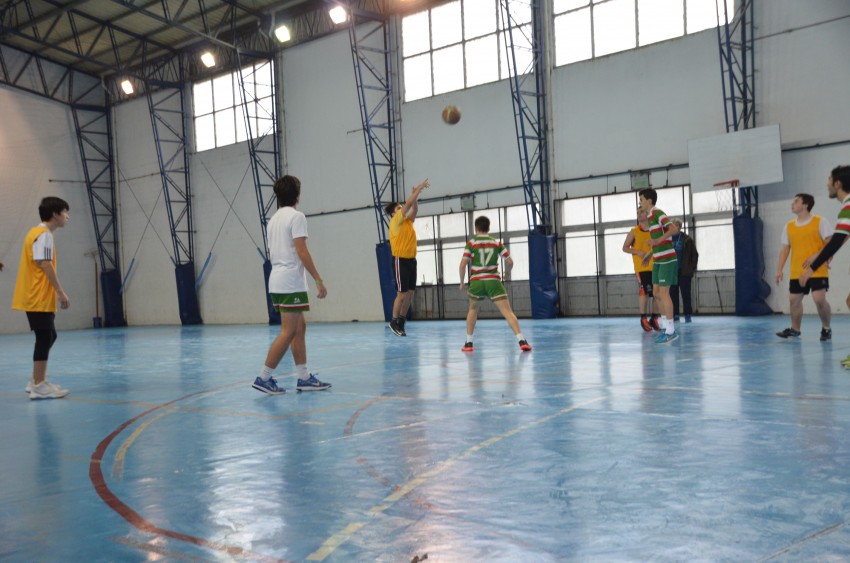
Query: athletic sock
[(266, 373), (519, 336), (671, 326), (302, 372), (469, 338)]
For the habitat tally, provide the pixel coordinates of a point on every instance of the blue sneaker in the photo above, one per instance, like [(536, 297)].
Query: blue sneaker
[(312, 384), (269, 386), (664, 338)]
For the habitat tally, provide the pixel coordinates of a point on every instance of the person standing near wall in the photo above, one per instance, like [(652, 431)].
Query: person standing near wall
[(665, 270), (803, 238), (637, 244), (403, 247), (36, 290), (290, 257), (687, 256)]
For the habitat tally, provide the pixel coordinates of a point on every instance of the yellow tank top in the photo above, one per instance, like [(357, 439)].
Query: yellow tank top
[(402, 236), (641, 243), (33, 291), (805, 241)]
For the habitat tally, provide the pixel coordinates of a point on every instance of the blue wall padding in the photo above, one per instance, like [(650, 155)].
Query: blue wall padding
[(274, 316), (543, 275), (750, 288), (387, 277), (187, 297), (113, 303)]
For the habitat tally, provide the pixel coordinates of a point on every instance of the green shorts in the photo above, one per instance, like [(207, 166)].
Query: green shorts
[(290, 302), (494, 289), (665, 274)]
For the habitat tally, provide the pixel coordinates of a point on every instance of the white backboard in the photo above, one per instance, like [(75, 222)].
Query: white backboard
[(753, 157)]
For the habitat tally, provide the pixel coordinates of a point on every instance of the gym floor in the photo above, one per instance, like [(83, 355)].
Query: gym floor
[(729, 444)]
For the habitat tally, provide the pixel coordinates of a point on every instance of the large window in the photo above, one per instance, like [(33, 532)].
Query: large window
[(585, 29), (462, 44), (218, 107)]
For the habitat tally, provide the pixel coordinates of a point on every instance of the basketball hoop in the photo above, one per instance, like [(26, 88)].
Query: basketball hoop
[(727, 184), (725, 194)]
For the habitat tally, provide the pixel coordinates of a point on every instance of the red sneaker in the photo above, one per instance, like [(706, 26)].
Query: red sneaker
[(467, 347), (524, 346), (645, 324)]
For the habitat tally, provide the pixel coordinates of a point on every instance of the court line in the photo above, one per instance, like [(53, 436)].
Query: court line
[(339, 538), (806, 539)]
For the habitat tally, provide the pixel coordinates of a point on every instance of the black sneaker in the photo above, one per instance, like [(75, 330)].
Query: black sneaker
[(394, 326), (825, 334), (467, 347), (788, 332)]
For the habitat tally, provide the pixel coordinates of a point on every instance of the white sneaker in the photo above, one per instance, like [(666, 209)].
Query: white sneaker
[(45, 390), (30, 385)]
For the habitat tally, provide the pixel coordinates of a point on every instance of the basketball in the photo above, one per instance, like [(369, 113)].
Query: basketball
[(451, 114)]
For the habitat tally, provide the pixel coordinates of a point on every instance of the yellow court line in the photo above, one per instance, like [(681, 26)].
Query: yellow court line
[(346, 533)]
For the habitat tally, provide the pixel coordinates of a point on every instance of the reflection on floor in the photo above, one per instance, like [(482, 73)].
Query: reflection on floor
[(599, 445)]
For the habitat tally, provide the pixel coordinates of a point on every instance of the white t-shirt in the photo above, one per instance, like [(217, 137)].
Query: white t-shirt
[(288, 275), (42, 247)]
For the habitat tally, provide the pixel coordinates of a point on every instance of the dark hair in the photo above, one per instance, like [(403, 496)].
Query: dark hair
[(482, 224), (288, 190), (808, 200), (390, 208), (842, 174), (50, 206), (650, 194)]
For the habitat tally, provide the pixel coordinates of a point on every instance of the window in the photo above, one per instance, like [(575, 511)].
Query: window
[(225, 115), (462, 44)]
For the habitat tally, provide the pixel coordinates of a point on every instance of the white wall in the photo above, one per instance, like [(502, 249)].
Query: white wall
[(630, 110)]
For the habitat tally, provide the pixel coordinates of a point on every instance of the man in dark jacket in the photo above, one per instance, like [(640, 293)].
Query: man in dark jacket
[(686, 253)]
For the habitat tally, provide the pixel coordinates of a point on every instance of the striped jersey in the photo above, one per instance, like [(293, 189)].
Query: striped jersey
[(843, 224), (658, 221), (483, 252)]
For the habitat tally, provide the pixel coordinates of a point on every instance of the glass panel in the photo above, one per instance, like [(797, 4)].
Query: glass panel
[(518, 247), (446, 25), (659, 20), (426, 263), (496, 223), (580, 254), (517, 218), (577, 212), (617, 262), (573, 41), (448, 69), (564, 5), (225, 127), (671, 201), (522, 50), (204, 133), (614, 27), (415, 34), (223, 92), (425, 227), (520, 11), (715, 244), (202, 98), (482, 61), (453, 225), (619, 207), (452, 253), (241, 132), (479, 18), (417, 77), (265, 122), (702, 14)]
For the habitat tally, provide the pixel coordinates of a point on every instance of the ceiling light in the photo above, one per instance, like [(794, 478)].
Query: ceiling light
[(338, 15), (282, 34), (127, 86), (208, 59)]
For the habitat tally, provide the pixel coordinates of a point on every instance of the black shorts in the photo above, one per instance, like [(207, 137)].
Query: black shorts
[(815, 284), (646, 282), (41, 321), (405, 274)]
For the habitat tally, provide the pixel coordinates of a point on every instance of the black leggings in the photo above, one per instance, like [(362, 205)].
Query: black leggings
[(45, 334)]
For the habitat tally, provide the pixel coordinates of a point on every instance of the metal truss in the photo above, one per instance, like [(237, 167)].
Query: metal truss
[(528, 94), (371, 48), (735, 37)]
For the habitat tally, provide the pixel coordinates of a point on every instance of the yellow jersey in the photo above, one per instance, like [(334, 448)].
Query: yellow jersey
[(402, 236), (805, 241), (641, 243), (33, 291)]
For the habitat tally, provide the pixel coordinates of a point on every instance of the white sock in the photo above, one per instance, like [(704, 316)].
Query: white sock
[(266, 373), (671, 326), (469, 338), (519, 336), (302, 372)]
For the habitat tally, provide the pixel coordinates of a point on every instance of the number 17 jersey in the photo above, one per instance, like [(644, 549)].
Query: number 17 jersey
[(483, 252)]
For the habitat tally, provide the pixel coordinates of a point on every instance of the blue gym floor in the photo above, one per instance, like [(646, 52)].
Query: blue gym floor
[(729, 444)]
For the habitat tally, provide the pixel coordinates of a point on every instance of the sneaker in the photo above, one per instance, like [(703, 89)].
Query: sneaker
[(312, 384), (467, 347), (788, 332), (269, 386), (664, 338), (825, 334), (45, 390), (30, 386), (401, 322), (524, 346), (687, 318), (676, 318), (396, 328), (645, 324), (654, 322)]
